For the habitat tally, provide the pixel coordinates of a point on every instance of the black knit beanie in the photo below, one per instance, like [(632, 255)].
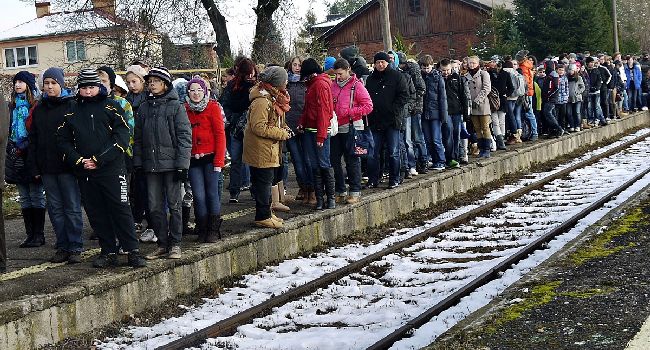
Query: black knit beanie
[(309, 67)]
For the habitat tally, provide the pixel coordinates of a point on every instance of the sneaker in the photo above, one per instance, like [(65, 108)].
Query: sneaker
[(74, 258), (644, 108), (121, 251), (577, 129), (533, 138), (571, 130), (158, 253), (174, 252), (453, 164), (391, 186), (136, 259), (268, 223), (233, 200), (148, 236), (60, 256), (603, 123), (352, 199), (438, 167), (138, 228), (105, 260), (413, 172)]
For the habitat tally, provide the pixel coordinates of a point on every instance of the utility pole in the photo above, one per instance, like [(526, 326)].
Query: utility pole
[(385, 25), (616, 45)]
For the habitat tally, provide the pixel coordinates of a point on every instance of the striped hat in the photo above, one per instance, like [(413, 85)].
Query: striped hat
[(161, 73), (88, 77)]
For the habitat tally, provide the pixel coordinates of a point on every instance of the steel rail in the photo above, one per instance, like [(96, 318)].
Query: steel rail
[(229, 325)]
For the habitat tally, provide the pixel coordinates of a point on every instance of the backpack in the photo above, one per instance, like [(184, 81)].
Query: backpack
[(519, 83), (493, 97)]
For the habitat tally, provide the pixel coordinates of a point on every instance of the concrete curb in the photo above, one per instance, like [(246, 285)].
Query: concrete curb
[(38, 320)]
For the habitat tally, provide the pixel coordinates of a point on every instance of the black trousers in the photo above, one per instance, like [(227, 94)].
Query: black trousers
[(3, 242), (261, 181), (106, 200)]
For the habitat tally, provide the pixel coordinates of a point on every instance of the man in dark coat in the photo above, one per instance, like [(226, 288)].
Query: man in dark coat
[(417, 153), (388, 90), (4, 132)]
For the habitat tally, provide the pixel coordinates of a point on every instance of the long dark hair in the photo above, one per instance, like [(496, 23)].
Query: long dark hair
[(243, 68), (29, 95)]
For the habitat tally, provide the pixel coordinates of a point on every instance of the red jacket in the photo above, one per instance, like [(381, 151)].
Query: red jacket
[(319, 106), (208, 135)]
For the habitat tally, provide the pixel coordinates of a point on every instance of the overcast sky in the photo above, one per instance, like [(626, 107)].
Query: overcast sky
[(240, 16)]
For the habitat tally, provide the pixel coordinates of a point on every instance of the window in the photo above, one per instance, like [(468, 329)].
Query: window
[(21, 57), (75, 51), (414, 6)]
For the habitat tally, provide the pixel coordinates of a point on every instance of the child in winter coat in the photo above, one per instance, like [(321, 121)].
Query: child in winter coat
[(94, 138), (30, 189), (574, 106)]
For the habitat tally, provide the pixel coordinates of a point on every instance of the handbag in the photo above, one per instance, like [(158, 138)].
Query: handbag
[(495, 101), (237, 130), (360, 143), (333, 130)]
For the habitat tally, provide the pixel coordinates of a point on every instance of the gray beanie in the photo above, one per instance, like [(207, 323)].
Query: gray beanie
[(274, 75)]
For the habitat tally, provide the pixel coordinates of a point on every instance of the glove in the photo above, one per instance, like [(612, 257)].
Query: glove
[(180, 175)]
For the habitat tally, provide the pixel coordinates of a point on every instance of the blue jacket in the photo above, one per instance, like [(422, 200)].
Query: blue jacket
[(435, 97), (638, 77), (563, 90)]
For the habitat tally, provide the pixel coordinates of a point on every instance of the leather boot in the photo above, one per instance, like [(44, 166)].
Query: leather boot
[(318, 188), (301, 194), (308, 193), (38, 223), (501, 145), (185, 216), (201, 228), (214, 229), (29, 228), (330, 183), (275, 199), (311, 200)]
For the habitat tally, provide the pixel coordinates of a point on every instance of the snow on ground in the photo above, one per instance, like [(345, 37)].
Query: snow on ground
[(325, 316)]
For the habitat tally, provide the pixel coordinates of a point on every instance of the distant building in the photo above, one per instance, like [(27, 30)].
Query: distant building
[(190, 52), (69, 40), (441, 28)]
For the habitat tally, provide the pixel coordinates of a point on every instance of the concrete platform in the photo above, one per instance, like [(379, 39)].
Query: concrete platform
[(44, 303)]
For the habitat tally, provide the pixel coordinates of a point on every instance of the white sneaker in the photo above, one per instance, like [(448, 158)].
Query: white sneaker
[(644, 108), (413, 172), (148, 236), (577, 129)]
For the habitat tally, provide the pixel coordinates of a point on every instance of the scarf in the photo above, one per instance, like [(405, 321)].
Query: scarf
[(473, 71), (294, 78), (19, 117), (280, 98), (198, 106), (341, 84)]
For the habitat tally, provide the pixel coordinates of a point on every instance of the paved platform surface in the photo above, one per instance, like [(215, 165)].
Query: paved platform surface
[(595, 294)]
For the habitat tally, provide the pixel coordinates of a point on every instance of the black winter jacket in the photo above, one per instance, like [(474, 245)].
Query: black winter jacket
[(456, 97), (136, 100), (297, 91), (606, 76), (389, 93), (163, 136), (44, 156), (503, 83), (435, 97), (410, 106), (95, 129), (595, 80), (414, 72), (235, 103)]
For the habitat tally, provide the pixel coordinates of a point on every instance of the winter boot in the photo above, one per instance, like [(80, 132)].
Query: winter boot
[(518, 136), (214, 229), (501, 145), (301, 194), (29, 228), (186, 221), (275, 199), (328, 179), (486, 147), (38, 223), (201, 228), (318, 188)]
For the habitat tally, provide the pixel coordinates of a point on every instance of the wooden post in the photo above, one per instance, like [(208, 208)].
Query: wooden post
[(385, 25), (614, 15)]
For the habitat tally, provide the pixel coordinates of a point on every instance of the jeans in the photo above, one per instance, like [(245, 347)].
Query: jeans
[(239, 173), (513, 116), (626, 104), (635, 97), (318, 157), (207, 186), (301, 165), (417, 137), (530, 115), (408, 140), (549, 118), (64, 210), (161, 186), (261, 182), (573, 112), (31, 195), (338, 149), (454, 140), (499, 123), (390, 137), (594, 111), (433, 136)]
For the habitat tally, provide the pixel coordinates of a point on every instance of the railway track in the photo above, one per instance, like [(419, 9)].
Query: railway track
[(443, 263)]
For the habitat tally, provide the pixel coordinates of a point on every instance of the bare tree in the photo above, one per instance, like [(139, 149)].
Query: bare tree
[(219, 25), (264, 12)]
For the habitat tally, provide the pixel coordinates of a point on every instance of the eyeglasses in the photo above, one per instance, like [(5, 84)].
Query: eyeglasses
[(196, 91)]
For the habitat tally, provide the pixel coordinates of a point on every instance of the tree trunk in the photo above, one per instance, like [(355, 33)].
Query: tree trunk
[(219, 25), (264, 12)]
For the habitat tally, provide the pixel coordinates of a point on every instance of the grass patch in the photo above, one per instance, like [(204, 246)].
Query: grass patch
[(601, 245)]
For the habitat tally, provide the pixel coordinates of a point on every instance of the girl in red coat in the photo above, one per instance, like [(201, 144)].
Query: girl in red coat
[(208, 156)]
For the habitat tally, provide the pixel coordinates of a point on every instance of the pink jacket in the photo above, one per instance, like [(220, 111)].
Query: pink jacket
[(361, 106)]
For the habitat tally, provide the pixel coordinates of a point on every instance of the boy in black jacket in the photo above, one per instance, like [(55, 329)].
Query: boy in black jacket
[(456, 108), (93, 139)]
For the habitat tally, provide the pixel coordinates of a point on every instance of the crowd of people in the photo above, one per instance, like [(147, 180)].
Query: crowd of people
[(146, 147)]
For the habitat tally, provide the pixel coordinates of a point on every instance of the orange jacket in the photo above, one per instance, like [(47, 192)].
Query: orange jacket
[(526, 67)]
